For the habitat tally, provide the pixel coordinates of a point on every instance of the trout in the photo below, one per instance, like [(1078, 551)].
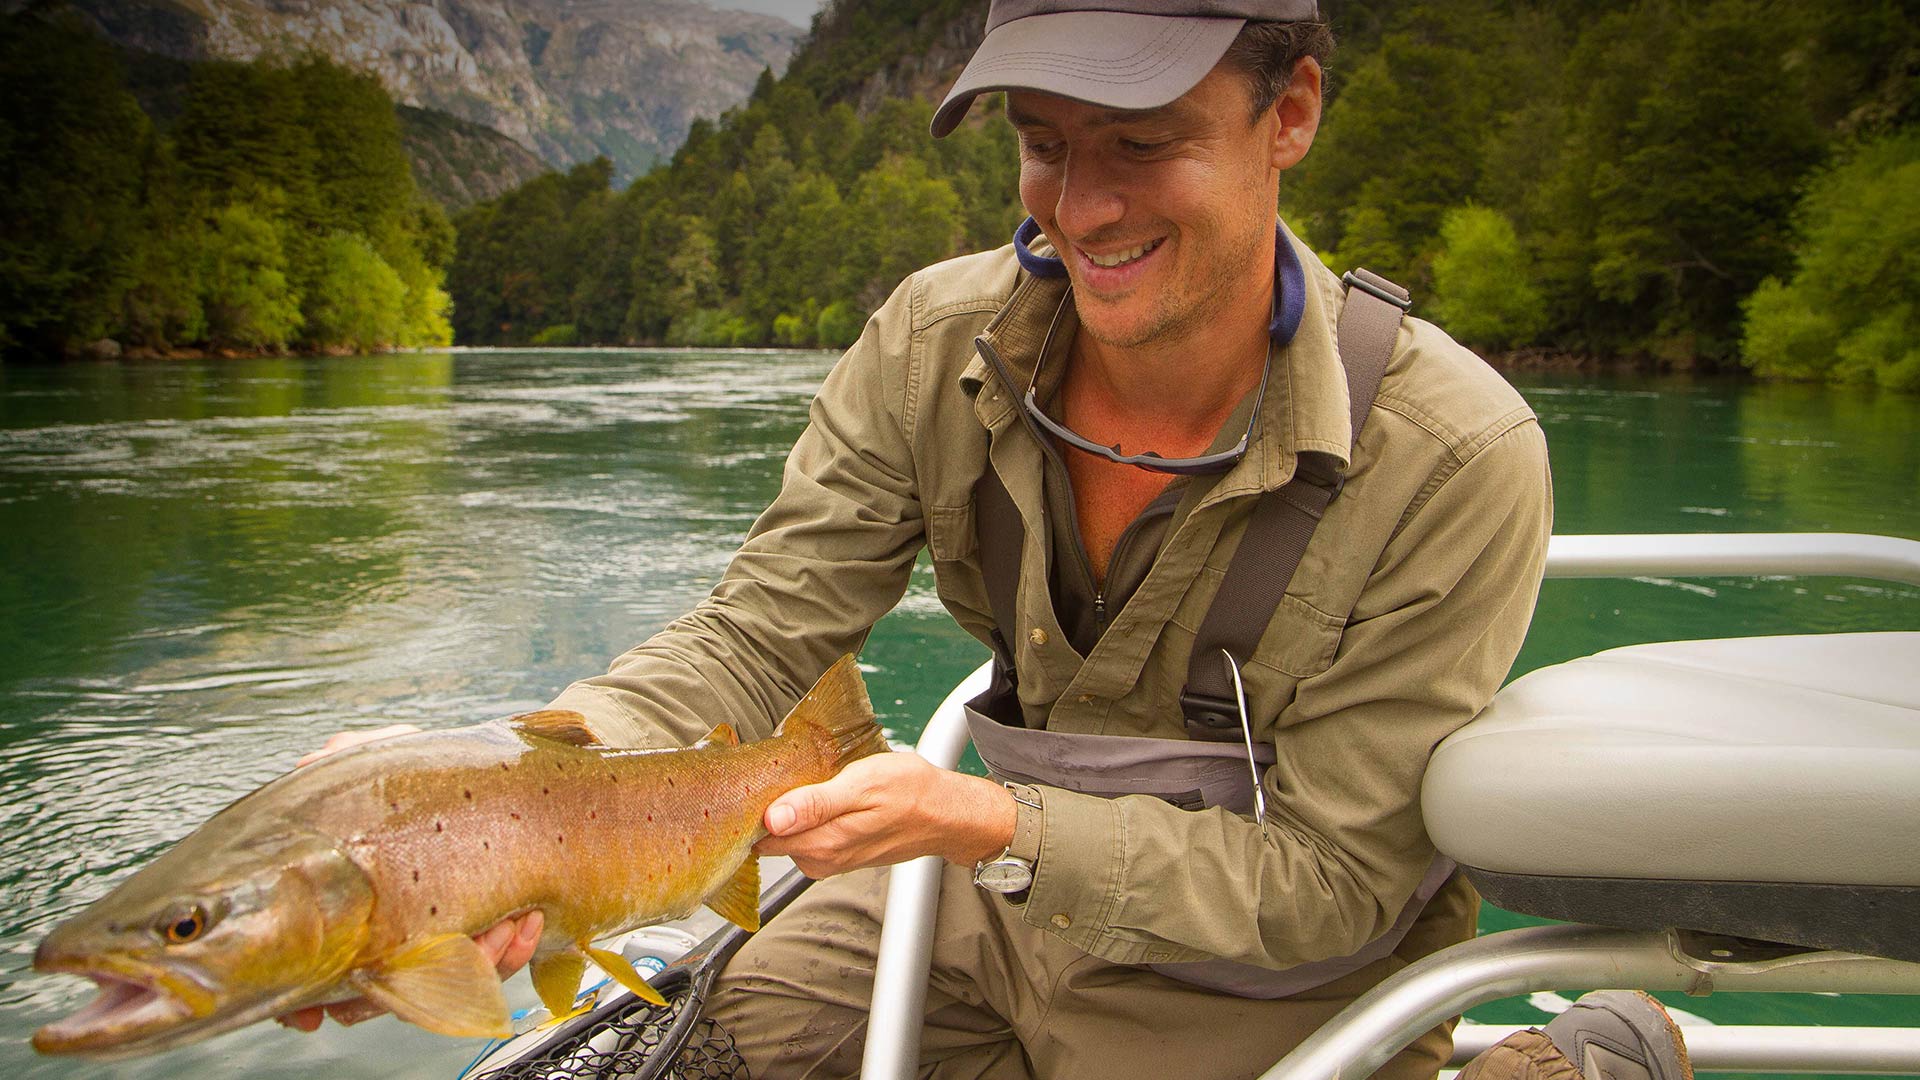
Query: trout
[(367, 872)]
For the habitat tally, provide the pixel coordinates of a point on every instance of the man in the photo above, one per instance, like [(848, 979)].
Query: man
[(1155, 356)]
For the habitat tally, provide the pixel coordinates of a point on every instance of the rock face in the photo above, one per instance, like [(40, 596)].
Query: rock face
[(567, 79), (458, 162)]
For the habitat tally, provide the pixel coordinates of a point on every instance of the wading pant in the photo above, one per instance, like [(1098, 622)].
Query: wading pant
[(1008, 1001)]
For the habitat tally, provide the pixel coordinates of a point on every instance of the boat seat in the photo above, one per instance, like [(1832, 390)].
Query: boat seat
[(1764, 788)]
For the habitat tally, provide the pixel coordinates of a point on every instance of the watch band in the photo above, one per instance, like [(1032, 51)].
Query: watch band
[(1016, 863), (1028, 822)]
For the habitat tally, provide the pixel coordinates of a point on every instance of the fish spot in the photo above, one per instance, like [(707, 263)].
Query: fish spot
[(545, 791), (669, 781), (503, 766), (706, 815), (468, 792), (593, 815), (560, 838), (514, 814), (486, 845), (394, 806), (649, 817), (433, 909), (416, 876)]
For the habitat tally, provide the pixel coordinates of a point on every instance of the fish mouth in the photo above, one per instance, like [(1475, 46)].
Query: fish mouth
[(129, 1013)]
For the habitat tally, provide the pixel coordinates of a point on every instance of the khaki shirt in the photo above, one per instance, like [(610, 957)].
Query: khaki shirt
[(1406, 612)]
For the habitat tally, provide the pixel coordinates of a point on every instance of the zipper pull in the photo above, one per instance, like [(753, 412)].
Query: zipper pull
[(1100, 610)]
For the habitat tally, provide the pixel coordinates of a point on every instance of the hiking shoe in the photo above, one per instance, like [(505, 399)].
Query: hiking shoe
[(1620, 1035)]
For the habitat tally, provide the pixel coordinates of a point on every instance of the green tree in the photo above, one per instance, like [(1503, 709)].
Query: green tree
[(356, 301), (72, 140), (244, 291), (1483, 290), (902, 219), (1847, 311)]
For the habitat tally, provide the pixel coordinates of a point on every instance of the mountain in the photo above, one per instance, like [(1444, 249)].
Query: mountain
[(458, 162), (570, 80)]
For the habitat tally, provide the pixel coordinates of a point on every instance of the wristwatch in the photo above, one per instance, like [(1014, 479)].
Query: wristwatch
[(1010, 873)]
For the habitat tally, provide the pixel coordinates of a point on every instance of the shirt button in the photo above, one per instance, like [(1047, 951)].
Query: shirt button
[(1061, 920), (1037, 636)]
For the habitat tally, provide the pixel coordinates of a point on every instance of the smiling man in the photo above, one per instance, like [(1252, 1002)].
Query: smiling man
[(1215, 511)]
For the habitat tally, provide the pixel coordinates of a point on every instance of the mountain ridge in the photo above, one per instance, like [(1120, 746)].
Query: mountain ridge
[(569, 80)]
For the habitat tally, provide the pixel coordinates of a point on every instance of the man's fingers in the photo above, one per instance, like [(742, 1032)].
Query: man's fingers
[(307, 1019), (808, 807), (341, 740), (349, 1013), (520, 947)]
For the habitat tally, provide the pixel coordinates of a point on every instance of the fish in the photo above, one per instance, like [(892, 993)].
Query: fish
[(367, 873)]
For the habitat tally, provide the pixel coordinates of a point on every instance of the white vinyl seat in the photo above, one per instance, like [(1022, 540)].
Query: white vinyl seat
[(1759, 787)]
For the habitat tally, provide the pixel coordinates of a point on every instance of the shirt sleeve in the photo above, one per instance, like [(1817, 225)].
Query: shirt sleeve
[(1343, 848), (830, 556)]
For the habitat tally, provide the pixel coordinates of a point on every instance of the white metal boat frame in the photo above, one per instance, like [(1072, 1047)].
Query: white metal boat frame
[(1385, 1020)]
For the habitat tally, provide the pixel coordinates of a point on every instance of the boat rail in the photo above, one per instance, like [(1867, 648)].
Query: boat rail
[(1390, 1016)]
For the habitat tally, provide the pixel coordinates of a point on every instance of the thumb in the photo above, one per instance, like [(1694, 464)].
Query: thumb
[(804, 808)]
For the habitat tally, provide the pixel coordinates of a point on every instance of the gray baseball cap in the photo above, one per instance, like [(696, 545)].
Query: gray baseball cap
[(1121, 54)]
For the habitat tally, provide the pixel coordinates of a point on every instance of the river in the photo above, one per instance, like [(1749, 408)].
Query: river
[(210, 566)]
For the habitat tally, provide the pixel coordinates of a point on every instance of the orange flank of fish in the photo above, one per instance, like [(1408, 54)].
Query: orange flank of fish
[(367, 873)]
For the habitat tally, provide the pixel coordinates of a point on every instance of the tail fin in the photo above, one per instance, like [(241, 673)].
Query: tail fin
[(837, 707)]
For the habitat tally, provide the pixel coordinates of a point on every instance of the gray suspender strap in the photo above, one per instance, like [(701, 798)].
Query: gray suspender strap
[(1284, 519), (1269, 552)]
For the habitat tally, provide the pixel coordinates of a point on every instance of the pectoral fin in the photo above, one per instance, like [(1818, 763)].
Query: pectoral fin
[(622, 972), (560, 725), (722, 735), (556, 976), (442, 983), (738, 901)]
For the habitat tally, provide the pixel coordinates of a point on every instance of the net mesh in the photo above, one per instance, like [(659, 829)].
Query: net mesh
[(622, 1046)]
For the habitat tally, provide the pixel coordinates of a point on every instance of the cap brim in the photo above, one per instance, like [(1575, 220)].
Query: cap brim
[(1113, 59)]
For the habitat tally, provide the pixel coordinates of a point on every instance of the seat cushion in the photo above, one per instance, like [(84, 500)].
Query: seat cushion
[(1777, 759)]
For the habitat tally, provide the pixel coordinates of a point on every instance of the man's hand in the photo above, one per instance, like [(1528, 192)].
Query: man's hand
[(885, 809), (508, 945), (340, 740)]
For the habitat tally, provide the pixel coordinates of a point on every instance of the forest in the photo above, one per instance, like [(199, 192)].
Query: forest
[(269, 206), (1667, 184)]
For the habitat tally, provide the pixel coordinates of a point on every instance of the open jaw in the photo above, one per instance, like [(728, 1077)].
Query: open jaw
[(126, 1017)]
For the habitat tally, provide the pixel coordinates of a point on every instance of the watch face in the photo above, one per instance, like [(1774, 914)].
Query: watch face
[(1004, 877)]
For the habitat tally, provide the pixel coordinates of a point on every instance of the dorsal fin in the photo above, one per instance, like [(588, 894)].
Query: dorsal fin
[(722, 735), (560, 725)]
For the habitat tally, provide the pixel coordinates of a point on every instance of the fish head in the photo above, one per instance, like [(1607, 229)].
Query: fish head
[(207, 938)]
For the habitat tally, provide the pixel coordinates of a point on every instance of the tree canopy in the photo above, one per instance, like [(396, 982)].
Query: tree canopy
[(276, 211)]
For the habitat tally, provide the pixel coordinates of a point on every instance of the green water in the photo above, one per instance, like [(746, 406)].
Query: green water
[(208, 567)]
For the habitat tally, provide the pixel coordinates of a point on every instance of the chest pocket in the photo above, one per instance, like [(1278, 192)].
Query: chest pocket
[(1298, 643)]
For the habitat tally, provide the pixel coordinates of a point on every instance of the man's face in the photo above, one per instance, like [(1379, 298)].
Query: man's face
[(1163, 217)]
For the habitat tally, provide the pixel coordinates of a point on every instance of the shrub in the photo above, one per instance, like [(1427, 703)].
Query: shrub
[(1483, 292), (1847, 313), (840, 325), (559, 334)]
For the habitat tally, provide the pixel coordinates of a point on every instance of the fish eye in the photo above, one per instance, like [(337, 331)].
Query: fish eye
[(183, 924)]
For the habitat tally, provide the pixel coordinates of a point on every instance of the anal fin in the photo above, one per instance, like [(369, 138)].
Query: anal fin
[(442, 983), (623, 973), (738, 901), (556, 977)]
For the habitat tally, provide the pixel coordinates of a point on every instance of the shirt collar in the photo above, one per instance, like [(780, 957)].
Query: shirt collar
[(1306, 406)]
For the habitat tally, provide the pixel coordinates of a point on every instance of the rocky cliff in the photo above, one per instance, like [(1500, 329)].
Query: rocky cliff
[(567, 79)]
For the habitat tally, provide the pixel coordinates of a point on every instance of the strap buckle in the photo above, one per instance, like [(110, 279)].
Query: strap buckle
[(1209, 718), (1376, 286)]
